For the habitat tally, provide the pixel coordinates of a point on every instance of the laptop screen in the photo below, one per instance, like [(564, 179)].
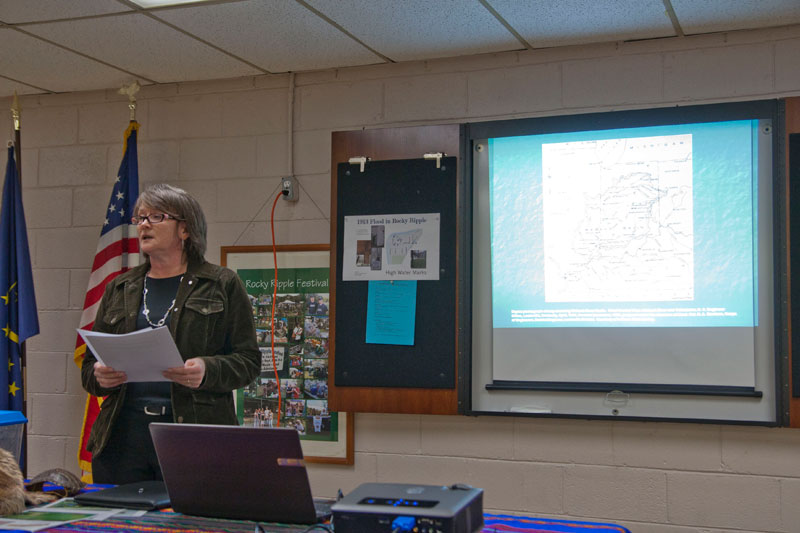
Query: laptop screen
[(235, 472)]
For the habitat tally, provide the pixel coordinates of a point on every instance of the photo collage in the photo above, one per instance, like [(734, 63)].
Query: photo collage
[(300, 326)]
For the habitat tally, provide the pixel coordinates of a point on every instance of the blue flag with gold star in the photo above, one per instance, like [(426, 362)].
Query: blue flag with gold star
[(18, 317)]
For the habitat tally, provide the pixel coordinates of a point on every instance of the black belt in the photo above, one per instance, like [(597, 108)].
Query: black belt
[(150, 408)]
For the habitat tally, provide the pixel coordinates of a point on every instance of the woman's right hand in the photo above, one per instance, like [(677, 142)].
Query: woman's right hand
[(107, 377)]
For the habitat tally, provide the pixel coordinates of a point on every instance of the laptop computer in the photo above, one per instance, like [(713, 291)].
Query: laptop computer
[(236, 472)]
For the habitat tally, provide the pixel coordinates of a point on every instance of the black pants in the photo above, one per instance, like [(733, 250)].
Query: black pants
[(129, 455)]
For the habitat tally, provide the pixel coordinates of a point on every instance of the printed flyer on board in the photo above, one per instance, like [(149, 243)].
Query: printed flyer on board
[(391, 247)]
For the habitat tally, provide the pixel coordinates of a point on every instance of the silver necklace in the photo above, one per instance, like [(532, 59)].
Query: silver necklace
[(146, 311)]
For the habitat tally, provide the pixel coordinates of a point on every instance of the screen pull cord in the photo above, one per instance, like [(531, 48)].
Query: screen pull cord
[(272, 313)]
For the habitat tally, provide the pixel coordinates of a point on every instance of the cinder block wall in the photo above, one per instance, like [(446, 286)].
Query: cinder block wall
[(226, 142)]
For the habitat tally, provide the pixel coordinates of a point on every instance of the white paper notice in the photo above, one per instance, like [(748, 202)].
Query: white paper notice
[(387, 247), (142, 355)]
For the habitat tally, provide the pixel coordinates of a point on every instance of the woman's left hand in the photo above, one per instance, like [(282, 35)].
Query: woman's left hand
[(190, 375)]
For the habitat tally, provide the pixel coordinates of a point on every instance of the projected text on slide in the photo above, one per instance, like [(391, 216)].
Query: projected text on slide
[(618, 219)]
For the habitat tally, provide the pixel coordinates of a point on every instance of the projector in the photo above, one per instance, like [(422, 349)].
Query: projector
[(396, 507)]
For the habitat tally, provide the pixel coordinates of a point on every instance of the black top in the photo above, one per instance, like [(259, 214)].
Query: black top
[(160, 295)]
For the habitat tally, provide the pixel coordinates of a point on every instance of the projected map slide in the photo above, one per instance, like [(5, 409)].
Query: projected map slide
[(637, 227)]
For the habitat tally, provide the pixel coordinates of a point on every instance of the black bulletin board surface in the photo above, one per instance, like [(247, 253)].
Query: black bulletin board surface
[(794, 253), (398, 187)]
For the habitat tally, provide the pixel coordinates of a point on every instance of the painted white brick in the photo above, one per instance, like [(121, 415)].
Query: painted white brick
[(47, 372), (516, 486), (419, 469), (615, 493), (78, 283), (366, 72), (56, 331), (787, 75), (246, 200), (106, 122), (90, 204), (45, 452), (790, 511), (74, 386), (313, 152), (661, 445), (65, 248), (272, 81), (48, 208), (718, 72), (52, 288), (155, 91), (158, 162), (613, 81), (49, 126), (315, 189), (458, 436), (55, 415), (339, 105), (72, 165), (257, 233), (216, 86), (30, 166), (71, 462), (388, 433), (762, 451), (65, 99), (563, 441), (739, 502), (431, 97), (255, 112), (205, 192), (185, 117), (327, 479), (272, 155), (218, 158), (514, 90)]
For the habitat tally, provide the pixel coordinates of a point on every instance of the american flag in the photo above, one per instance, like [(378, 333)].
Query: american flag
[(117, 251)]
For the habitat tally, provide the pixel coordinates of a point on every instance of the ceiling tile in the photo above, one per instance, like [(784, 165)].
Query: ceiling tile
[(276, 35), (17, 11), (726, 15), (413, 30), (40, 64), (10, 87), (568, 22), (144, 46)]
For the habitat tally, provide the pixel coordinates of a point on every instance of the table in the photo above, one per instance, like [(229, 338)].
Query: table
[(166, 521), (169, 522)]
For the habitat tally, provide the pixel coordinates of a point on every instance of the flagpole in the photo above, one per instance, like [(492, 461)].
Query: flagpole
[(17, 138), (117, 252), (15, 114)]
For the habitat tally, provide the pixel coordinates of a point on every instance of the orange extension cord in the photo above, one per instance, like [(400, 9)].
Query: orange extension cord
[(272, 315)]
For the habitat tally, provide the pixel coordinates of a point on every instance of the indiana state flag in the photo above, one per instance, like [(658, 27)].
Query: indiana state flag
[(18, 317)]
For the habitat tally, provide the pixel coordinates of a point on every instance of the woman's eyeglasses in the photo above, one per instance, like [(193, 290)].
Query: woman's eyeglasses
[(152, 218)]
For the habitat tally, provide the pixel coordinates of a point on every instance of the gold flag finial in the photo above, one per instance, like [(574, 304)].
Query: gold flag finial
[(15, 111), (131, 90)]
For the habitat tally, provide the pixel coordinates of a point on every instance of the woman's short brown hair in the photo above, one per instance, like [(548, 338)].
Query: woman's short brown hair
[(183, 206)]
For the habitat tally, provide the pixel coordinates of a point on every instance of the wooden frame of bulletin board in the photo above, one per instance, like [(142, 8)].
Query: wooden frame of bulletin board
[(393, 144)]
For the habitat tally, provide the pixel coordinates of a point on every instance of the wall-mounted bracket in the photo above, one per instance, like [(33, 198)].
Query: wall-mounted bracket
[(437, 156), (359, 161)]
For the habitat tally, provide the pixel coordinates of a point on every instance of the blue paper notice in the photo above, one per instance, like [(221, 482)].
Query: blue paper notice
[(391, 310)]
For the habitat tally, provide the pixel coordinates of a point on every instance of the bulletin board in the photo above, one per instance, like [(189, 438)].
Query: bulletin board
[(380, 396), (380, 194)]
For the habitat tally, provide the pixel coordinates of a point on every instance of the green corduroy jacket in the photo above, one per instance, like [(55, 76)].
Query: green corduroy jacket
[(213, 319)]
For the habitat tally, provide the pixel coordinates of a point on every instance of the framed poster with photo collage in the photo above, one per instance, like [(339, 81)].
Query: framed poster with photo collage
[(300, 325)]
